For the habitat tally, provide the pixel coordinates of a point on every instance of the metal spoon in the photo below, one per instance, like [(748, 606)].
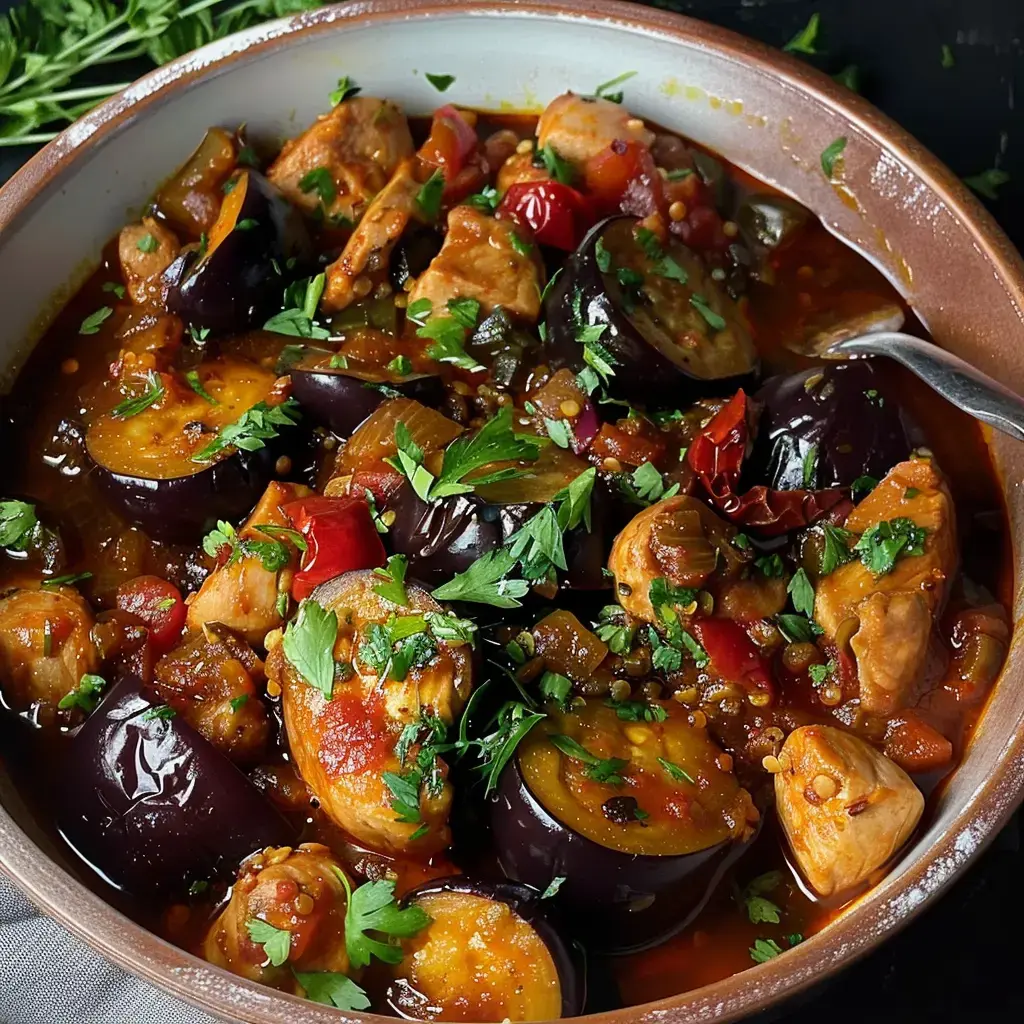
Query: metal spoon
[(878, 334)]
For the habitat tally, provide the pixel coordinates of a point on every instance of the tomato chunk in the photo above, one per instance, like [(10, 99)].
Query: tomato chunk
[(158, 604), (340, 536), (625, 173), (556, 214), (733, 654)]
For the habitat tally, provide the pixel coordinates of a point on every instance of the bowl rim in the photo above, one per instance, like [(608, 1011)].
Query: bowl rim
[(855, 933)]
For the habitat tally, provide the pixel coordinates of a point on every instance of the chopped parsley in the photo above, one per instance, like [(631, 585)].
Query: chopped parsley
[(553, 686), (509, 726), (394, 648), (393, 589), (607, 90), (276, 942), (611, 628), (554, 885), (560, 431), (519, 245), (810, 466), (400, 365), (600, 769), (850, 77), (805, 41), (865, 484), (602, 256), (764, 950), (882, 544), (372, 908), (802, 592), (147, 243), (770, 566), (134, 404), (830, 154), (309, 645), (662, 593), (486, 200), (484, 582), (448, 334), (321, 181), (301, 299), (92, 323), (559, 169), (429, 196), (798, 629), (440, 82), (332, 988), (645, 485), (819, 673), (239, 702), (18, 525), (196, 384), (713, 320), (86, 695), (836, 549), (947, 59), (346, 90), (66, 581), (115, 288), (676, 773), (160, 712), (252, 429)]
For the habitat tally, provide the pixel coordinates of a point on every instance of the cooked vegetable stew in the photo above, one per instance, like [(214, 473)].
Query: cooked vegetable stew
[(431, 567)]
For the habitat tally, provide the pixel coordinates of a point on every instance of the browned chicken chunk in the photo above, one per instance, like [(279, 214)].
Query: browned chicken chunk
[(146, 250), (579, 127), (45, 646), (359, 145), (894, 611), (845, 807), (244, 593), (364, 260), (297, 891), (483, 259)]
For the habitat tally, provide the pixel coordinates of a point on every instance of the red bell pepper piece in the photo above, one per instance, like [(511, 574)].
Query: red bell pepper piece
[(452, 141), (158, 603), (716, 456), (734, 656), (556, 214), (624, 177), (340, 536)]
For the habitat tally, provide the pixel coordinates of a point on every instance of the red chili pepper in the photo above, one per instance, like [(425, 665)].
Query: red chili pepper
[(716, 456), (158, 604), (340, 536), (556, 214), (734, 656)]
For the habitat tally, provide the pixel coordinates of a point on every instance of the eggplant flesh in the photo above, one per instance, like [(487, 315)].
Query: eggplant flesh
[(462, 905), (149, 804), (827, 427), (257, 244), (664, 321), (342, 399)]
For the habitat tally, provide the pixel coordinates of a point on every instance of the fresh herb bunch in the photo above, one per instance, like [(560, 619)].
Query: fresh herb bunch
[(52, 54)]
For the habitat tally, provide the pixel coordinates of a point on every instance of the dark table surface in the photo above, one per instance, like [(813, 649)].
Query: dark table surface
[(958, 961)]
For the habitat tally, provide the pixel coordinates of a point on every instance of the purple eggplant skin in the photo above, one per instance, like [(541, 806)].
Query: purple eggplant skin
[(150, 804), (826, 427), (579, 298), (445, 537), (541, 915), (238, 283), (616, 902), (181, 509), (341, 400)]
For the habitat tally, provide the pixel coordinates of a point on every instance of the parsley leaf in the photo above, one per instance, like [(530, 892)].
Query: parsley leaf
[(661, 592), (850, 77), (408, 461), (92, 323), (770, 566), (332, 989), (486, 200), (676, 773), (797, 629), (761, 910), (252, 429), (637, 710), (711, 318), (393, 589), (645, 485), (802, 592), (664, 657), (830, 154), (806, 39), (86, 695), (484, 582), (819, 673), (607, 91), (764, 950), (537, 543), (147, 243), (18, 524), (836, 549), (301, 300), (321, 181), (276, 942), (373, 908), (309, 645), (882, 544), (810, 466), (134, 404), (429, 196), (574, 507), (600, 769), (440, 82), (553, 686), (864, 483), (115, 288), (448, 335), (947, 59), (346, 90), (448, 628), (560, 431), (559, 169), (554, 885)]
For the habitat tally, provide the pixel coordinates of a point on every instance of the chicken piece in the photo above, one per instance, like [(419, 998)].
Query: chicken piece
[(345, 747), (360, 144), (895, 610), (146, 250), (298, 891), (679, 539), (579, 127), (482, 259), (519, 169), (46, 647), (243, 594), (845, 808), (365, 257), (212, 678)]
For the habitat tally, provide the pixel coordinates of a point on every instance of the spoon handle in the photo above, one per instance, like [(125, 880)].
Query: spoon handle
[(957, 381)]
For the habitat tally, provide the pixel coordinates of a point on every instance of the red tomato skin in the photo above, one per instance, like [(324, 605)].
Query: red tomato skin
[(733, 655), (624, 176), (143, 597), (340, 537), (556, 214)]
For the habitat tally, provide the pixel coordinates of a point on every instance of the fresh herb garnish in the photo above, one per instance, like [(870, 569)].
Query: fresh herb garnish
[(393, 589), (519, 244), (798, 629), (448, 337), (115, 288), (401, 366), (65, 581), (819, 673), (239, 702), (346, 90), (850, 77), (601, 769), (440, 82), (18, 525), (770, 566), (332, 988), (147, 243), (86, 695), (801, 590), (135, 404), (637, 710), (196, 384), (764, 950), (160, 712), (662, 592), (664, 657), (429, 196), (392, 649), (836, 549), (805, 41), (91, 324), (555, 687), (301, 299), (947, 59), (373, 908), (882, 544), (252, 429), (830, 154), (810, 466), (560, 431), (553, 886), (486, 200), (645, 485), (309, 645), (676, 773), (276, 942), (713, 320), (484, 582), (865, 484), (321, 181), (607, 90), (559, 169), (985, 184), (509, 727)]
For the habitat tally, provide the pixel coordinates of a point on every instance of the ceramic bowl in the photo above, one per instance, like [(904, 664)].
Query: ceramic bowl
[(766, 112)]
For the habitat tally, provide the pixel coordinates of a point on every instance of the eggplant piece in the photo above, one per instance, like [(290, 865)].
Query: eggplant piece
[(826, 427), (236, 282), (666, 323), (490, 953), (413, 254), (148, 803), (631, 879), (343, 399), (771, 221), (145, 465)]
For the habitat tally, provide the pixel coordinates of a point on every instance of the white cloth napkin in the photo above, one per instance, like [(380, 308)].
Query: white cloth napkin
[(47, 976)]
